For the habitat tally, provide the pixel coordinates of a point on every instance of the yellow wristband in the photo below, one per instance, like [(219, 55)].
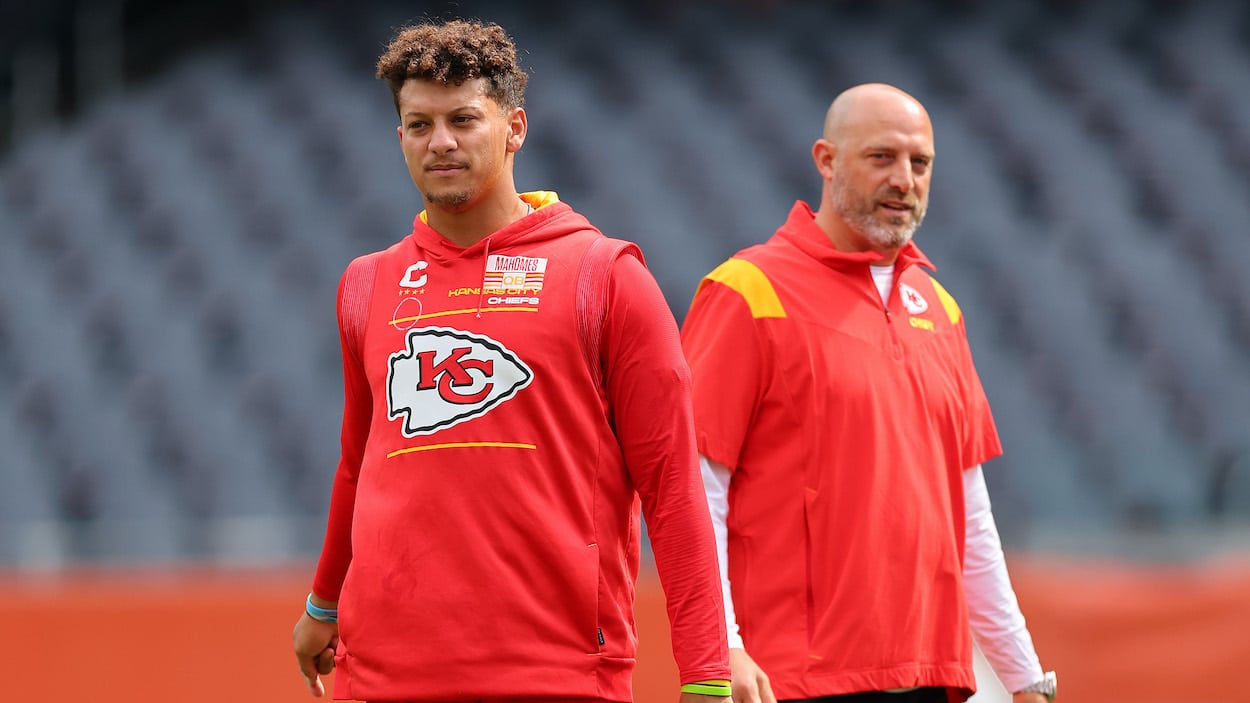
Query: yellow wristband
[(708, 688)]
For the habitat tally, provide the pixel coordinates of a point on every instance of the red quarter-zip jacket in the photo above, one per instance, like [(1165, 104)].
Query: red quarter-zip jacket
[(483, 536), (848, 426)]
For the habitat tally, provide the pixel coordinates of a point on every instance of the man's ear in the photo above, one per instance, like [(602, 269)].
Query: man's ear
[(518, 126), (823, 154)]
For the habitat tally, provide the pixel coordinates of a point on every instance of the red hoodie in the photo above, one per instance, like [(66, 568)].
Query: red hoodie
[(483, 537)]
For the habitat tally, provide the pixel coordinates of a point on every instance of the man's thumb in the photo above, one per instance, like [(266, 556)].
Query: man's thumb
[(325, 661)]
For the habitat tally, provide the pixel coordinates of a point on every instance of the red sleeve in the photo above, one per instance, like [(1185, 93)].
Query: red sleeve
[(722, 346), (336, 553), (648, 387), (980, 441)]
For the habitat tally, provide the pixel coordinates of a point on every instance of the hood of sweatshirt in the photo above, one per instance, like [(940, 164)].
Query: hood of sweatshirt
[(549, 219)]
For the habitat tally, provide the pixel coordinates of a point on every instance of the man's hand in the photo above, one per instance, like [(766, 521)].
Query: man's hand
[(1028, 697), (315, 642), (750, 683), (700, 698)]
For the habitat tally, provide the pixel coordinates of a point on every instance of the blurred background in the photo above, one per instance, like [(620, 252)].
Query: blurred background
[(181, 184)]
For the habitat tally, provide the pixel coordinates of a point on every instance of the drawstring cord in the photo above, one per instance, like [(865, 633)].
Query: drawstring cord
[(486, 261), (482, 287)]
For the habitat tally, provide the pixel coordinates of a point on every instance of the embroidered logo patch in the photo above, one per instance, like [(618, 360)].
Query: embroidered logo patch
[(446, 376), (514, 274), (912, 300), (413, 277)]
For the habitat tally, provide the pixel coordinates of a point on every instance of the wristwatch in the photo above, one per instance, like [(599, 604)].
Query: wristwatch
[(1046, 686)]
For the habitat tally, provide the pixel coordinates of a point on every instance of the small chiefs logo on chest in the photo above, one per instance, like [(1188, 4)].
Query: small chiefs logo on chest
[(915, 304), (912, 300), (446, 376)]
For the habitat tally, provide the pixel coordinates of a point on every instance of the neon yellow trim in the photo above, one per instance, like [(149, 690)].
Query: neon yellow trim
[(948, 302), (454, 445), (463, 311), (445, 313), (750, 282), (702, 689)]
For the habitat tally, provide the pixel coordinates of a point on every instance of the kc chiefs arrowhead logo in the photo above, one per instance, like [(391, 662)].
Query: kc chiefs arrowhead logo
[(446, 376), (912, 299)]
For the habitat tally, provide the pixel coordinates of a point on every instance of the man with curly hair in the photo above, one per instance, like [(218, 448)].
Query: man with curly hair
[(514, 391)]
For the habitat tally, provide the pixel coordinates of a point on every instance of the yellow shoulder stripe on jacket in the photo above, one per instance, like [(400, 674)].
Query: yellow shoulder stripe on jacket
[(948, 302), (750, 282)]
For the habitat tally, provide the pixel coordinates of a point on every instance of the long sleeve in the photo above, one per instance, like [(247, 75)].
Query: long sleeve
[(716, 479), (648, 386), (997, 624), (336, 552)]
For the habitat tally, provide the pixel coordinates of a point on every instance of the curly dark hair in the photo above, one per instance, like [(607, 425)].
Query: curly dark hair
[(452, 53)]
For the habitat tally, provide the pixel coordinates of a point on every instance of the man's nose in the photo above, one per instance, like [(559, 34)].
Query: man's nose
[(441, 139), (901, 177)]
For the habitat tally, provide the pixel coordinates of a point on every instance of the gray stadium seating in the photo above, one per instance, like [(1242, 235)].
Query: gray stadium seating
[(168, 356)]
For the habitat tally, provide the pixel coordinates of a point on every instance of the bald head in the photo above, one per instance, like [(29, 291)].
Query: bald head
[(875, 157), (874, 104)]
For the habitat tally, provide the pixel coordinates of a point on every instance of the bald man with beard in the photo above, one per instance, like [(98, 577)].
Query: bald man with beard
[(842, 428)]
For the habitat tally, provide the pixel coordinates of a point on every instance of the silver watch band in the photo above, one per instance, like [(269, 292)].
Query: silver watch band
[(1047, 686)]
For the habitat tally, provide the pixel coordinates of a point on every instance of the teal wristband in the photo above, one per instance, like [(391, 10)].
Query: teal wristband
[(330, 615)]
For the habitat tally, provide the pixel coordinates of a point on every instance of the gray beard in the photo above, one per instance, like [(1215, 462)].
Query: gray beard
[(861, 216), (882, 235)]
